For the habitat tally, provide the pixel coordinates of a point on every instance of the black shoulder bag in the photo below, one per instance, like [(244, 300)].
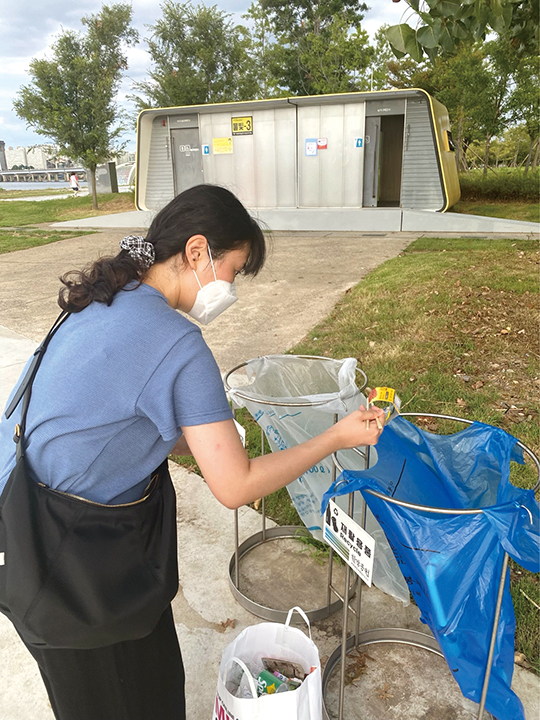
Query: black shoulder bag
[(76, 573)]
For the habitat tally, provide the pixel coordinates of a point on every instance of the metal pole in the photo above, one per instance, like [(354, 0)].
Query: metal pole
[(493, 637), (330, 570), (236, 541), (331, 549), (236, 553), (345, 630), (264, 499), (360, 586), (360, 583)]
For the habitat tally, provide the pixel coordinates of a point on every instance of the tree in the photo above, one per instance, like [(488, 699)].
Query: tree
[(391, 73), (261, 51), (501, 65), (461, 81), (511, 148), (71, 98), (476, 84), (320, 46), (485, 85), (382, 55), (335, 61), (199, 56), (525, 105), (444, 24)]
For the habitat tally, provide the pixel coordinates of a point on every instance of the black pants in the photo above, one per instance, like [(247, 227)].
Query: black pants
[(133, 680)]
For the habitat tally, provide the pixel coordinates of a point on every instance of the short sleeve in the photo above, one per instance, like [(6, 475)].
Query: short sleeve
[(185, 389)]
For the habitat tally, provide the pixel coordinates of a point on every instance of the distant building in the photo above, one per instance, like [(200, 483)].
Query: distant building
[(38, 157), (124, 157), (3, 161), (44, 157), (16, 157)]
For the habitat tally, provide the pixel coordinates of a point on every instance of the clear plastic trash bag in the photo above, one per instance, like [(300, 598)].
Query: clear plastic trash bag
[(453, 563), (280, 379)]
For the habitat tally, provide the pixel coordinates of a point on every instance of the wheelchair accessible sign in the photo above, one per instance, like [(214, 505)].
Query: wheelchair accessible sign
[(350, 541)]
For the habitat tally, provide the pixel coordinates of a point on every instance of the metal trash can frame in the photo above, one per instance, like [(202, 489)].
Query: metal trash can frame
[(283, 531), (403, 635)]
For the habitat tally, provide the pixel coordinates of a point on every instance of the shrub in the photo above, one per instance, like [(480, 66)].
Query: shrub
[(505, 184)]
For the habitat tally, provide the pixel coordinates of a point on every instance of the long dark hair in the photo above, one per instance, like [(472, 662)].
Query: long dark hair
[(207, 210)]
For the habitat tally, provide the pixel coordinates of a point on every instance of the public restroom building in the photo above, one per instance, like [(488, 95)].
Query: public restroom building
[(329, 154)]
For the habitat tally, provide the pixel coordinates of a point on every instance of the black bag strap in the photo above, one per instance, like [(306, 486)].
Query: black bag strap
[(24, 391)]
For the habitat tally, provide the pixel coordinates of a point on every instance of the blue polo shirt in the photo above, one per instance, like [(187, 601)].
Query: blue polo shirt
[(114, 388)]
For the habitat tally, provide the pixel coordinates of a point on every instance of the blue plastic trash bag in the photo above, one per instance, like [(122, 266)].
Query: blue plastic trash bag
[(453, 563)]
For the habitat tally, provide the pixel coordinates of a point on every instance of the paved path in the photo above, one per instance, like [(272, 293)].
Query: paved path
[(83, 192), (305, 275)]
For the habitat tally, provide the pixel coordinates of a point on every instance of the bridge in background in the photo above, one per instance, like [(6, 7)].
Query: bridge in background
[(48, 175)]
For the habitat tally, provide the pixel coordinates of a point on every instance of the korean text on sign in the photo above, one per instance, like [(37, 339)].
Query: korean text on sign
[(242, 125), (350, 541)]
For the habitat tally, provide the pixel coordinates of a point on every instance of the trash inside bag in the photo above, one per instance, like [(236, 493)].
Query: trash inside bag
[(269, 671), (318, 388), (453, 563), (268, 681)]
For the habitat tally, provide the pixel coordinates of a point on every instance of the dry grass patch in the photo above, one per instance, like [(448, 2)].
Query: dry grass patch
[(452, 325)]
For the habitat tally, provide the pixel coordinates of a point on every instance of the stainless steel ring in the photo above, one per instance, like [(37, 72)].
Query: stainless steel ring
[(290, 402), (263, 611)]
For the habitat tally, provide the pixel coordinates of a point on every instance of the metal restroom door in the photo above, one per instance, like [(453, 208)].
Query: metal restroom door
[(187, 160), (372, 137)]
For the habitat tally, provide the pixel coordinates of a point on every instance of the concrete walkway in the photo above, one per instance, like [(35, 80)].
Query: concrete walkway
[(339, 220), (83, 192), (305, 275), (39, 198)]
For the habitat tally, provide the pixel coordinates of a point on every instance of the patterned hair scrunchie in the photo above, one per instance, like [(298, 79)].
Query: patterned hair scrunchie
[(139, 249)]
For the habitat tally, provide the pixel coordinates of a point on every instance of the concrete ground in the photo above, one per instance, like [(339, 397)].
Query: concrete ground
[(345, 220), (305, 275)]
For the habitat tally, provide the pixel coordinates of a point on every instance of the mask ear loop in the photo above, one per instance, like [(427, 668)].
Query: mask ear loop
[(211, 262), (213, 269)]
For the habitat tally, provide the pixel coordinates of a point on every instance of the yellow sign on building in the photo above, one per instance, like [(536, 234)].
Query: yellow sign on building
[(242, 125), (222, 146)]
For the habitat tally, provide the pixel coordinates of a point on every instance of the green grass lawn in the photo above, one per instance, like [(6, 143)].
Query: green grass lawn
[(14, 194), (452, 325), (11, 240), (527, 211), (27, 212)]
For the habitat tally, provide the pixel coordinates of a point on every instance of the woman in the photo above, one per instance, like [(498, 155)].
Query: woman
[(74, 184), (126, 381)]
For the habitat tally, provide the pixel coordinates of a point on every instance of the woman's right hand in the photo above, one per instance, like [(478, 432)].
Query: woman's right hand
[(358, 428)]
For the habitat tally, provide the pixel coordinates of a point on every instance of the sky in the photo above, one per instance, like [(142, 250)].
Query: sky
[(29, 28)]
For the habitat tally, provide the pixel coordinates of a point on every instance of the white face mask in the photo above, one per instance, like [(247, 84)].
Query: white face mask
[(212, 299)]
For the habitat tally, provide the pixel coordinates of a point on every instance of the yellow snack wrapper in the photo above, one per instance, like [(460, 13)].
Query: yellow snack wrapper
[(387, 399)]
